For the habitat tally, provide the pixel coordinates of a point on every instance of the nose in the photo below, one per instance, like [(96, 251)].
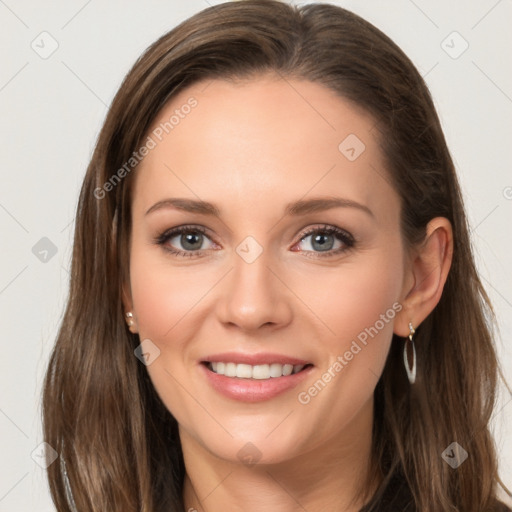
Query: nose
[(254, 295)]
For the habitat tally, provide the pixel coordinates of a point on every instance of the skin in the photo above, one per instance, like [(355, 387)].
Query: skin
[(250, 148)]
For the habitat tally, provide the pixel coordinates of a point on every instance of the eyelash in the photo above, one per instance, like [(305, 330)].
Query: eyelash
[(343, 236)]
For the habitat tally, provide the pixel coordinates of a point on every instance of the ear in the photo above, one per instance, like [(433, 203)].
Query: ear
[(429, 267), (128, 307)]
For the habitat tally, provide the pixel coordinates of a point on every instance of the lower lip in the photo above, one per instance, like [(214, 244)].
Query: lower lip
[(253, 390)]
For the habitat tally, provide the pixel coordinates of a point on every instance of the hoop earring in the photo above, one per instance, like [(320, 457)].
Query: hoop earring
[(411, 372), (129, 317)]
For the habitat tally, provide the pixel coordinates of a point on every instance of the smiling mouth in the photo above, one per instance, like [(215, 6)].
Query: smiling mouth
[(258, 372)]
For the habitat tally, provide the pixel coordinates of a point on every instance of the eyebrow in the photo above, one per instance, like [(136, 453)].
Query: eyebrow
[(296, 208)]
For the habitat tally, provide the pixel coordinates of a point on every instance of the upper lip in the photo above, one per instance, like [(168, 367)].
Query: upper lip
[(253, 359)]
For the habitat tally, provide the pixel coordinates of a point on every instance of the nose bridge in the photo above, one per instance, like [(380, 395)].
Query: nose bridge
[(254, 296)]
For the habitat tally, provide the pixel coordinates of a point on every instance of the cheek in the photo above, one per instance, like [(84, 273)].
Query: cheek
[(359, 311), (362, 296), (164, 298), (163, 295)]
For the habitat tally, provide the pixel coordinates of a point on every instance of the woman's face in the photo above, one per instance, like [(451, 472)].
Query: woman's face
[(267, 278)]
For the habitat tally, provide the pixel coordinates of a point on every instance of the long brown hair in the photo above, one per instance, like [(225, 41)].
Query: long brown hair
[(118, 444)]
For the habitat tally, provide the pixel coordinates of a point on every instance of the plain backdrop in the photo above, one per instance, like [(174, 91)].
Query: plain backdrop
[(52, 107)]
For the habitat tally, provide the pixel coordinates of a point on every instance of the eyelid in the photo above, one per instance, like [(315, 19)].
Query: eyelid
[(345, 237), (329, 228), (341, 234), (166, 235)]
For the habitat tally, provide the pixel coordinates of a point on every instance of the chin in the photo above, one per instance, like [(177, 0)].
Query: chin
[(251, 444)]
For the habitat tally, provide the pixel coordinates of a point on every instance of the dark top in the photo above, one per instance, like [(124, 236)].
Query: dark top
[(397, 497)]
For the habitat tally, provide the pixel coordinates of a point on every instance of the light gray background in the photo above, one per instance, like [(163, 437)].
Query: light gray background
[(52, 109)]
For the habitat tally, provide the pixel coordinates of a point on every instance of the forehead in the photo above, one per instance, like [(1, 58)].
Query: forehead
[(262, 142)]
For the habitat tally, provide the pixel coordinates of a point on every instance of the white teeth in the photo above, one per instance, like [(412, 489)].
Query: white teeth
[(259, 371), (244, 371), (287, 369), (297, 368), (229, 370), (276, 370)]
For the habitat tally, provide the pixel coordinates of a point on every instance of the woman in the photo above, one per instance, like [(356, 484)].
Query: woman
[(273, 299)]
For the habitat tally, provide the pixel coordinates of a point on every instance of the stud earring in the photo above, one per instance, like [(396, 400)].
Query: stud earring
[(129, 317), (411, 371)]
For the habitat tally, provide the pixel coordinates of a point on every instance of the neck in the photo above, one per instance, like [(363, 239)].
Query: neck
[(326, 478)]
